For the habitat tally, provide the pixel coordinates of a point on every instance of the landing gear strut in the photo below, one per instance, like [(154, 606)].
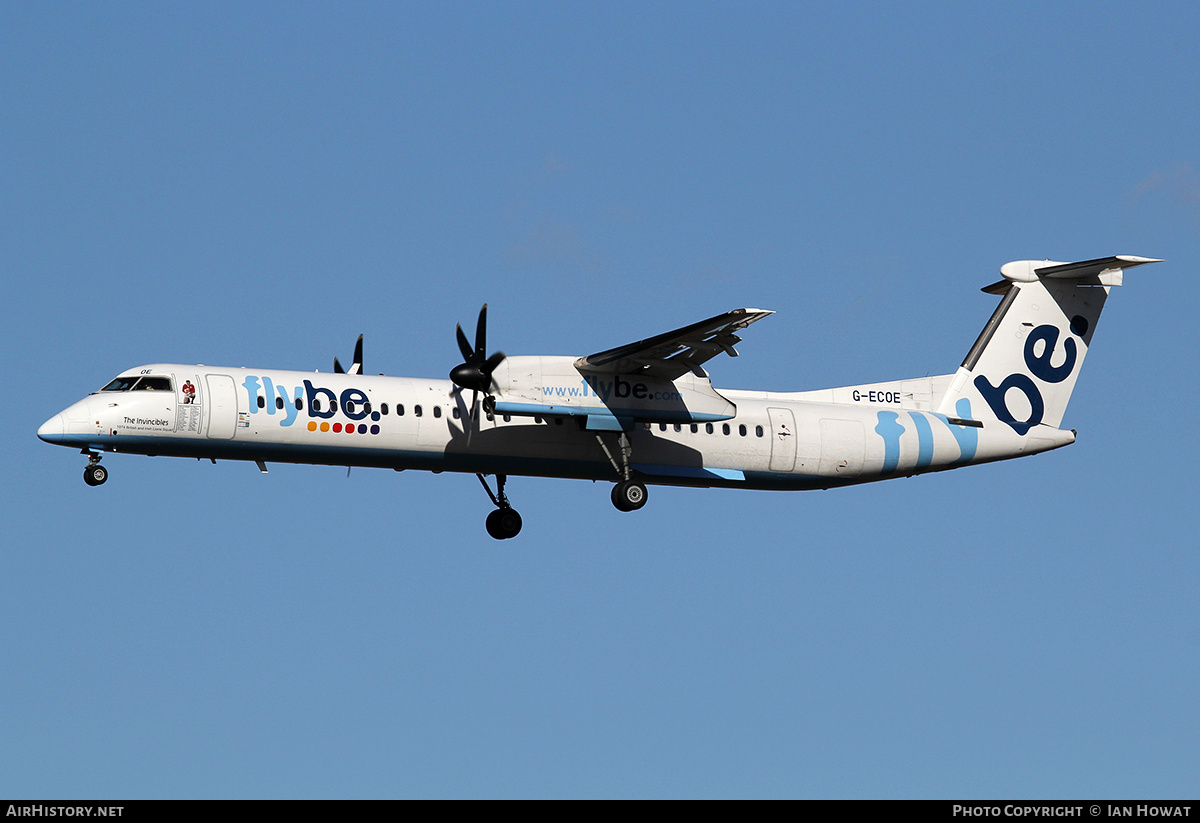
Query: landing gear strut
[(504, 522), (628, 495), (94, 474)]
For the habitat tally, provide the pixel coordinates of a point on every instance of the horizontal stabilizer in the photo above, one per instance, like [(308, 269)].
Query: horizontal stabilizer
[(1026, 271)]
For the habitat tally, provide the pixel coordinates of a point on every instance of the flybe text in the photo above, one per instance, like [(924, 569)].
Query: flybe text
[(617, 388), (316, 401)]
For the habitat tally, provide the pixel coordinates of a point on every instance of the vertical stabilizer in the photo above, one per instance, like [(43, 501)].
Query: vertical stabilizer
[(1022, 369)]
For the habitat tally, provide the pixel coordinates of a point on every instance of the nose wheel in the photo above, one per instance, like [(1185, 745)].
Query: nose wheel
[(504, 522), (94, 474)]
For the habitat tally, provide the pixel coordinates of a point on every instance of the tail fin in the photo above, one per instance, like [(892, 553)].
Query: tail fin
[(1023, 367)]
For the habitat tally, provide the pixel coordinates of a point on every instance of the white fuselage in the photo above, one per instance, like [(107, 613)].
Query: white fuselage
[(803, 440)]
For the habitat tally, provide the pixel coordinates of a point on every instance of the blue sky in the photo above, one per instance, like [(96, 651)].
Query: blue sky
[(259, 185)]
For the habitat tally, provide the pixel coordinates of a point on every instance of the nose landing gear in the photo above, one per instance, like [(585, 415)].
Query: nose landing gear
[(94, 474)]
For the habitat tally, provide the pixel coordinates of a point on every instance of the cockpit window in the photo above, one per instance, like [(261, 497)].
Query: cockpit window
[(153, 384), (121, 384), (142, 384)]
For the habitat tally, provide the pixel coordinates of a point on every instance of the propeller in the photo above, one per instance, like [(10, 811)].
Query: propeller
[(475, 372), (356, 366)]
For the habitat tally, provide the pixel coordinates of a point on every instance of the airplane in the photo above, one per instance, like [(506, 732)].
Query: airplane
[(636, 415)]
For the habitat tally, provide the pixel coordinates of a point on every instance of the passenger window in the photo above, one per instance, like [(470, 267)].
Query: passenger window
[(279, 403), (299, 405), (417, 411), (662, 427), (262, 402), (399, 409), (454, 412), (316, 404), (708, 427), (383, 409), (367, 407), (437, 411), (758, 431), (695, 428), (725, 428), (349, 407), (742, 430)]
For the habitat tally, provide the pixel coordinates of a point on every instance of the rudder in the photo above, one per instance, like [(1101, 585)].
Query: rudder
[(1023, 367)]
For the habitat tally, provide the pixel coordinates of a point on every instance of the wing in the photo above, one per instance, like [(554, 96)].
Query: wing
[(676, 352)]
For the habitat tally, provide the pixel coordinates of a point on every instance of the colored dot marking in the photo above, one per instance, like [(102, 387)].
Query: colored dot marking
[(375, 416), (324, 427), (312, 426), (362, 428), (349, 428), (374, 430), (337, 427)]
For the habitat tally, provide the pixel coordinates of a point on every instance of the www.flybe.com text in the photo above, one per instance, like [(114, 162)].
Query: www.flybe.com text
[(604, 389)]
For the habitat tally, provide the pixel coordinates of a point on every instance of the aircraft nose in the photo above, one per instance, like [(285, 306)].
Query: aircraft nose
[(53, 429)]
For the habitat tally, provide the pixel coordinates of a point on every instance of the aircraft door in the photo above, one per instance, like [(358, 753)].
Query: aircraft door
[(783, 440), (222, 406)]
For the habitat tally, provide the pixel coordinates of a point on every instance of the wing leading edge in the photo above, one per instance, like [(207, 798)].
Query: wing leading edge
[(677, 352)]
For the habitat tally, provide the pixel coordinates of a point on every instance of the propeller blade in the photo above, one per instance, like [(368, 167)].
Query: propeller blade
[(357, 366), (481, 334), (492, 362), (475, 372), (471, 417), (464, 345), (489, 366)]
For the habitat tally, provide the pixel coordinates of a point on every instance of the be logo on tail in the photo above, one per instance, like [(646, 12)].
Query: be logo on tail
[(1040, 366)]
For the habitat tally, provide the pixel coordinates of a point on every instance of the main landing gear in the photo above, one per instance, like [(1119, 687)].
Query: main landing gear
[(94, 474), (628, 495), (504, 522)]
